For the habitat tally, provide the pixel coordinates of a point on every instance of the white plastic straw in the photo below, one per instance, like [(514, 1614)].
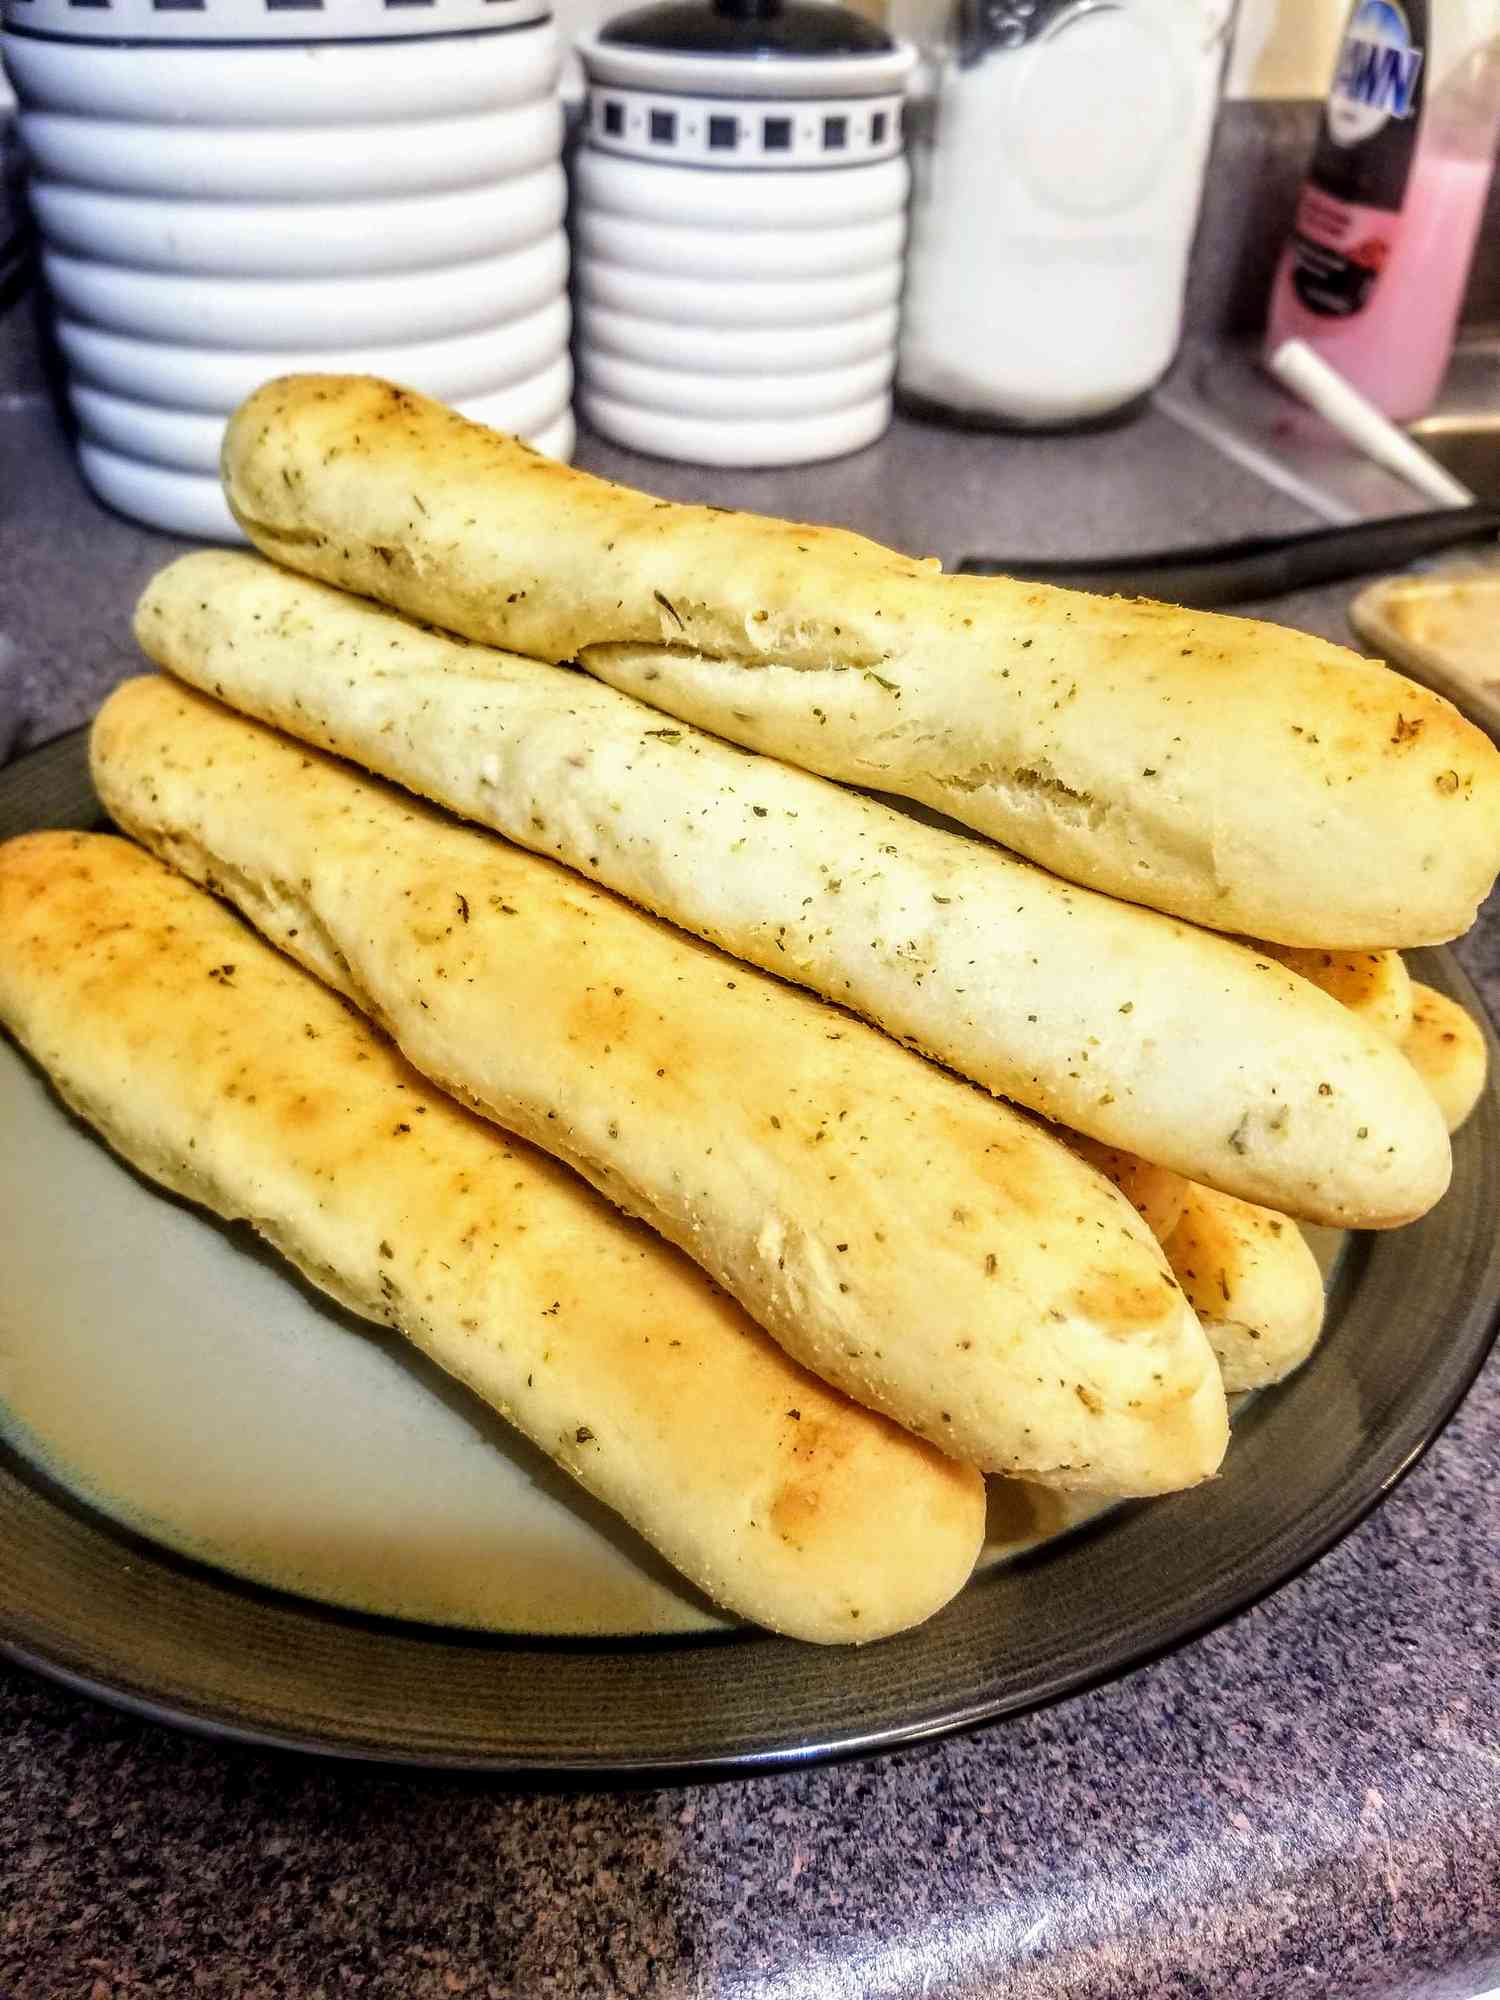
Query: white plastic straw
[(1339, 403)]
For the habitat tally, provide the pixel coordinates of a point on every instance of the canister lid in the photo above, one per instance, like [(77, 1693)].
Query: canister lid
[(757, 29), (259, 21), (749, 50)]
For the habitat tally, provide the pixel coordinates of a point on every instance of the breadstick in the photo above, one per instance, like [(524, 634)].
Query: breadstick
[(1437, 1036), (1143, 1032), (1374, 985), (1156, 1193), (222, 1071), (1248, 1272), (931, 1252), (1254, 1284), (1446, 1047), (1248, 778)]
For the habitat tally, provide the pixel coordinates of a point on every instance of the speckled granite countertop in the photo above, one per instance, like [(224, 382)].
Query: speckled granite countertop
[(1305, 1803)]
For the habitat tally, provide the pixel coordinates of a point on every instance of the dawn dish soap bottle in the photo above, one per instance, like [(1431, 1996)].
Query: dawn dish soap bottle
[(1373, 275)]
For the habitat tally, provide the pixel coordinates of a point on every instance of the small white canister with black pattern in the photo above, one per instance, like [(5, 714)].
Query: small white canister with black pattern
[(739, 220), (227, 190)]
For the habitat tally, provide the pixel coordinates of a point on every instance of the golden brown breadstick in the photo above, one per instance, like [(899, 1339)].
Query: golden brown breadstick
[(932, 1252), (1446, 1047), (1156, 1193), (1254, 1284), (1374, 985), (224, 1072)]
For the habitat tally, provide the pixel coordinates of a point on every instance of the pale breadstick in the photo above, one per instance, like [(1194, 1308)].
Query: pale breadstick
[(1446, 1047), (1148, 1034), (222, 1071), (1243, 776), (932, 1252), (1254, 1284)]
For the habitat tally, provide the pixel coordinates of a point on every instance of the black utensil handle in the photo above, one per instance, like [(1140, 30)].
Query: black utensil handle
[(1222, 573)]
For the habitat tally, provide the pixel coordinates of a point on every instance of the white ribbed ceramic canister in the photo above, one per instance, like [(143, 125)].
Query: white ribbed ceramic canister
[(227, 190), (738, 226)]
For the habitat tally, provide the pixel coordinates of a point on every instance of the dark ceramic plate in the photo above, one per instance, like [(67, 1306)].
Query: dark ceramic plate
[(1410, 1320)]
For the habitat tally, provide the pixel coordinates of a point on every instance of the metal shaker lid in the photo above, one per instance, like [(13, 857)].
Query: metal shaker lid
[(751, 51), (757, 30)]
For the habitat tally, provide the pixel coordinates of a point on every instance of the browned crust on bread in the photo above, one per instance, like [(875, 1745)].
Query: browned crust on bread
[(228, 1075)]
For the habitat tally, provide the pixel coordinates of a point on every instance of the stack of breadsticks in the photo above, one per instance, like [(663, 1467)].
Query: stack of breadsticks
[(961, 1152)]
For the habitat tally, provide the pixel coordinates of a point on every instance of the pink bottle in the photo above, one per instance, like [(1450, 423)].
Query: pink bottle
[(1373, 275)]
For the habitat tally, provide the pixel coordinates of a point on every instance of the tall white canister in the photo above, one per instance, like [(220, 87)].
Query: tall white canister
[(230, 189), (738, 230)]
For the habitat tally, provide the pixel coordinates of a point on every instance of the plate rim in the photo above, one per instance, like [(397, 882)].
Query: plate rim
[(1471, 1326)]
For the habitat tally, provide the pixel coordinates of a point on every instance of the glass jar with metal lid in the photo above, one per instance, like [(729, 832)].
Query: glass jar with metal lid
[(1058, 156)]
